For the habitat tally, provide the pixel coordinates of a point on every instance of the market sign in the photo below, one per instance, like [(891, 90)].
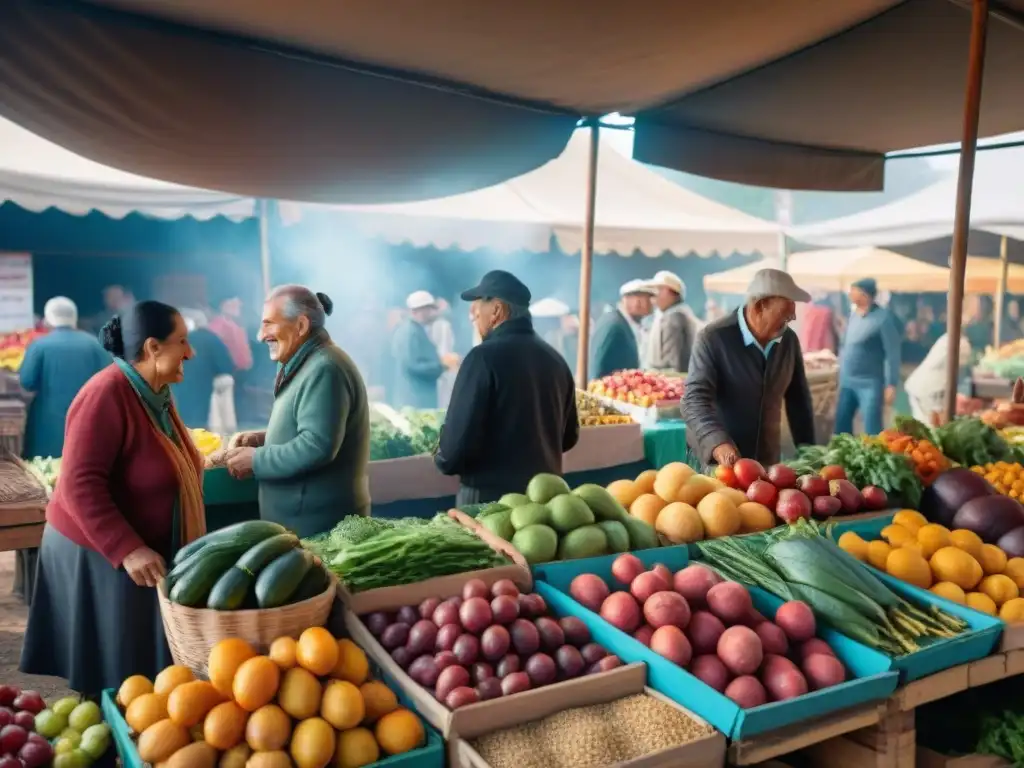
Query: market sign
[(16, 312)]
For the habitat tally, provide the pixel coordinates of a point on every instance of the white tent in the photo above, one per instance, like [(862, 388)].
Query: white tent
[(37, 175), (637, 209)]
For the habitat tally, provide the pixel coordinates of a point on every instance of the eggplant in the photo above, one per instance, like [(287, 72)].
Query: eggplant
[(1012, 542), (991, 517), (951, 490)]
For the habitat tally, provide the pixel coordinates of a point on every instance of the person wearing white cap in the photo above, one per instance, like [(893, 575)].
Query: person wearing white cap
[(55, 367), (418, 364), (674, 328), (616, 341), (745, 367)]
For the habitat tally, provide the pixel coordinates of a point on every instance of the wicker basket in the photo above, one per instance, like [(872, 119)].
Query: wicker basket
[(192, 632)]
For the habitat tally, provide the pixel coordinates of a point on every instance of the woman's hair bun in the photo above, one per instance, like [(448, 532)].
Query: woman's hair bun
[(112, 337), (326, 303)]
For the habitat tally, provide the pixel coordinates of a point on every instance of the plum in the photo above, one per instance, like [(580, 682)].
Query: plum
[(507, 665), (407, 615), (466, 649), (504, 609), (424, 671), (542, 669), (428, 606), (451, 678), (445, 659), (475, 615), (576, 632), (394, 636), (516, 682), (592, 653), (489, 689), (531, 606), (422, 637), (525, 637), (461, 697), (475, 588), (446, 637), (570, 661), (375, 622), (551, 635), (505, 587)]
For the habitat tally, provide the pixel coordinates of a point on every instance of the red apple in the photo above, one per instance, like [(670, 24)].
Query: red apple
[(747, 471), (8, 693), (12, 738), (25, 719), (782, 476), (813, 486), (763, 492), (874, 498), (6, 716), (30, 701)]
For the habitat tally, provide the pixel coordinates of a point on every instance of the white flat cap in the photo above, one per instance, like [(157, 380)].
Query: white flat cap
[(420, 300), (775, 282), (636, 286), (549, 307), (669, 280)]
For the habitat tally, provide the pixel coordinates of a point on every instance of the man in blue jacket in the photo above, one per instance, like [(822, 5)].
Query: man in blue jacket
[(617, 333), (418, 366), (869, 361)]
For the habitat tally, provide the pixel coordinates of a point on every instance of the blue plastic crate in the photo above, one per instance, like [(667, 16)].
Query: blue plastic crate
[(873, 680), (431, 755), (866, 529)]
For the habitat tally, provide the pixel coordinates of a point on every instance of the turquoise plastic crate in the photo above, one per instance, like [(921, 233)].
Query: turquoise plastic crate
[(219, 487), (872, 678), (431, 755), (866, 529)]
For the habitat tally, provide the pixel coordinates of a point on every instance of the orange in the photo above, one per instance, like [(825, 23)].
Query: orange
[(399, 731), (352, 665), (317, 651), (282, 652), (378, 700)]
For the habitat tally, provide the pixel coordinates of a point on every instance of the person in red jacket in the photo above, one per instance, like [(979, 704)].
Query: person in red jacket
[(129, 495)]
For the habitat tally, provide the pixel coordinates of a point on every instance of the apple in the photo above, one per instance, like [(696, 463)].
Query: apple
[(826, 506), (84, 715), (25, 720), (30, 701), (747, 471), (763, 492), (66, 705), (12, 738), (782, 476), (8, 693), (6, 716), (10, 761), (813, 486), (96, 740), (792, 505)]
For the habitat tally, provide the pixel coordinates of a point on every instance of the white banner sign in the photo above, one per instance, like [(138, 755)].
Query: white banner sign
[(16, 292)]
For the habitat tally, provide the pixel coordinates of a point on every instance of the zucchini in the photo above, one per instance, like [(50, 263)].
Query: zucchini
[(279, 580), (228, 594), (239, 548), (192, 588), (251, 532), (313, 583)]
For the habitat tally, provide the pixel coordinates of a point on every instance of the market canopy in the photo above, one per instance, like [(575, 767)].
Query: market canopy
[(637, 210), (339, 102), (37, 175), (997, 206), (834, 271)]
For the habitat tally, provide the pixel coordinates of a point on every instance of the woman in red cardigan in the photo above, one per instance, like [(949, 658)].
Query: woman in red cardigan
[(129, 495)]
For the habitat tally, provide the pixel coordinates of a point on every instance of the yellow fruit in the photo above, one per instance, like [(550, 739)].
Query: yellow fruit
[(224, 727), (1000, 588), (932, 537), (356, 747), (235, 757), (352, 663), (225, 659), (378, 700), (645, 482), (854, 545), (256, 683), (1015, 570), (1012, 610), (317, 651), (145, 710), (755, 517), (719, 515), (342, 705), (981, 602), (908, 565), (878, 554), (161, 740), (300, 693), (282, 652), (671, 479), (695, 489), (955, 565), (734, 495), (268, 729), (679, 523), (914, 545), (312, 743), (399, 731), (624, 491), (646, 508), (968, 541), (950, 591), (911, 520), (189, 703), (993, 559), (171, 678), (196, 755), (897, 535), (132, 688), (278, 759)]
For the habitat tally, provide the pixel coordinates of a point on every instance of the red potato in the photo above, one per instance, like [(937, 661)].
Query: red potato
[(815, 645), (394, 636), (793, 505), (576, 632), (516, 682), (747, 692), (773, 639), (704, 631), (375, 622), (461, 697), (740, 650), (753, 618), (475, 588), (551, 635), (475, 615), (422, 637), (428, 606), (784, 684), (663, 570), (797, 620), (570, 661), (480, 671), (466, 649), (693, 583), (531, 606), (813, 486), (505, 587), (670, 642), (592, 653), (589, 591), (823, 670), (647, 583), (664, 609), (446, 637), (446, 613), (445, 659), (826, 506), (507, 665), (710, 670), (605, 664), (451, 678), (620, 610), (525, 637), (495, 642), (625, 568), (424, 671), (644, 634), (774, 663), (489, 689), (782, 476), (763, 492), (504, 609), (542, 670), (730, 602), (407, 615)]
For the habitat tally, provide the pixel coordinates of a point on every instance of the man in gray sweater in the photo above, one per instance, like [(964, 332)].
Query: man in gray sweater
[(744, 367)]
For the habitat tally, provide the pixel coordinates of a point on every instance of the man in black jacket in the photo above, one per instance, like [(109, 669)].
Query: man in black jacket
[(744, 367), (513, 408), (617, 333)]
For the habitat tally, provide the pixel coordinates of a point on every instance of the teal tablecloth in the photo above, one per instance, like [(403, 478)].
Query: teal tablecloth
[(664, 443)]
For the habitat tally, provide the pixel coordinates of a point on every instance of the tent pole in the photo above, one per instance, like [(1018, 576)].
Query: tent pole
[(587, 259), (265, 245), (1004, 268), (965, 181)]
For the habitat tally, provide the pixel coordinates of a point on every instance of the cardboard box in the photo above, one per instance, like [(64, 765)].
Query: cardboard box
[(499, 714), (393, 598)]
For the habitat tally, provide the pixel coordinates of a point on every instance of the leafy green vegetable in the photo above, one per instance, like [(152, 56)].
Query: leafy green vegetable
[(482, 510), (1003, 736), (971, 442), (398, 435)]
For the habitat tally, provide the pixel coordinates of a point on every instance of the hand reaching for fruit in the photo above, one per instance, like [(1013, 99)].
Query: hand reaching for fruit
[(725, 455)]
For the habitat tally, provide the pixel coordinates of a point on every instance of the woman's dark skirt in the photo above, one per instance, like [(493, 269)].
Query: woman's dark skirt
[(90, 623)]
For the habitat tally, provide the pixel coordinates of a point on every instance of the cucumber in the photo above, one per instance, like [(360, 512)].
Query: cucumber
[(251, 532), (238, 547), (313, 583), (279, 580), (192, 588), (228, 594)]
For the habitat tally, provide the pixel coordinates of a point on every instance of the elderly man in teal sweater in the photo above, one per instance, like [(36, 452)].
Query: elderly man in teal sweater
[(312, 462)]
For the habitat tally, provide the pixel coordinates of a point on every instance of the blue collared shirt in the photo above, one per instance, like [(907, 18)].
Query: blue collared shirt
[(748, 337)]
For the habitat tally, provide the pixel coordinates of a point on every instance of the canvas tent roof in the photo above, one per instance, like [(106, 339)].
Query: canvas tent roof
[(37, 175), (836, 270), (637, 209), (338, 102)]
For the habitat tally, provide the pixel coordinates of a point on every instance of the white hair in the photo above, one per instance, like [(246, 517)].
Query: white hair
[(60, 312), (300, 300)]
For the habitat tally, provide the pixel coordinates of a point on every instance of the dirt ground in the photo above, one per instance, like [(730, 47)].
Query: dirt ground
[(13, 616)]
